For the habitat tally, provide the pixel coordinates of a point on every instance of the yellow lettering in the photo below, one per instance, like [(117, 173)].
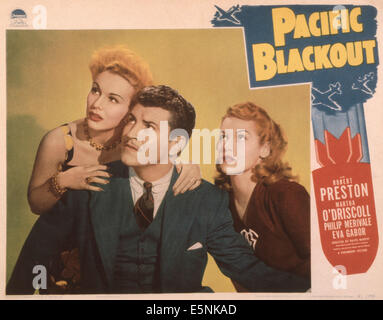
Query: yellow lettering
[(369, 46), (345, 21), (301, 28), (283, 22), (321, 58), (324, 23), (338, 55), (335, 23), (281, 66), (264, 66), (354, 53), (355, 25), (306, 53), (313, 24), (295, 62)]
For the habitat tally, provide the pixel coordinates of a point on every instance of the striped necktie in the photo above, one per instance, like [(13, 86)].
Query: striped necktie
[(144, 207)]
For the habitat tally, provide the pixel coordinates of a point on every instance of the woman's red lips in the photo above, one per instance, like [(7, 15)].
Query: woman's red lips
[(94, 116)]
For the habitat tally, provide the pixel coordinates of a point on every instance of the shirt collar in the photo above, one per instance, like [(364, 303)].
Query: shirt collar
[(137, 182)]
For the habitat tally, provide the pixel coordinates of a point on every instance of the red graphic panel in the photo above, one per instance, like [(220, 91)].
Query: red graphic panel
[(345, 203)]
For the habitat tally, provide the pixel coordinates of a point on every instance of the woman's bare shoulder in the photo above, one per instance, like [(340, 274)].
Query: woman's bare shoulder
[(54, 139), (59, 140), (56, 135)]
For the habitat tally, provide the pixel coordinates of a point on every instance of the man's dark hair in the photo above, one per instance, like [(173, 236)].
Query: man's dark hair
[(182, 112)]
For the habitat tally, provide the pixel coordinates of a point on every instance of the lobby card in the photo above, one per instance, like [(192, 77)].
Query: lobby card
[(315, 71)]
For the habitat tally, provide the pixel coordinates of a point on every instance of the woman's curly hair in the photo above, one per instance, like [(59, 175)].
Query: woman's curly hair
[(271, 168), (124, 62)]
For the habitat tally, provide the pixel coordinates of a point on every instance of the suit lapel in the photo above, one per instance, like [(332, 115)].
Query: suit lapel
[(107, 209), (177, 220)]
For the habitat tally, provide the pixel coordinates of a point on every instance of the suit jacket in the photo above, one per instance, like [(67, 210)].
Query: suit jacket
[(91, 221)]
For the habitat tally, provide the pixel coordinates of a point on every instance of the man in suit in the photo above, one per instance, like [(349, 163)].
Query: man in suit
[(136, 236)]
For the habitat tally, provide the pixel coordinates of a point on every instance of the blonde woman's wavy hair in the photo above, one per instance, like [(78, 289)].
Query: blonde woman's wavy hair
[(124, 62), (271, 168)]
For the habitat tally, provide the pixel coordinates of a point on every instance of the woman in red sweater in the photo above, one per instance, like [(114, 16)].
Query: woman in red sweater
[(268, 207)]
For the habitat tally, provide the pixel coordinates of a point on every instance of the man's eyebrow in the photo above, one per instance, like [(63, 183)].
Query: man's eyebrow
[(146, 122)]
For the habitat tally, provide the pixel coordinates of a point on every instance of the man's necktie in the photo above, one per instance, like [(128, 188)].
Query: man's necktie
[(144, 207)]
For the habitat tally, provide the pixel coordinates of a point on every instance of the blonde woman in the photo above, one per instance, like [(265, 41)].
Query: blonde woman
[(269, 208), (75, 155), (80, 153)]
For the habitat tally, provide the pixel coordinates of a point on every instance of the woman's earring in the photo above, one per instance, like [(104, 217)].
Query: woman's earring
[(265, 151)]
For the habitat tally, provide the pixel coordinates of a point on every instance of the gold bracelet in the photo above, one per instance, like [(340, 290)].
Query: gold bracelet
[(55, 187)]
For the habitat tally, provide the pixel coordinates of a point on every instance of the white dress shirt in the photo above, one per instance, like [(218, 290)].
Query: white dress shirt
[(159, 188)]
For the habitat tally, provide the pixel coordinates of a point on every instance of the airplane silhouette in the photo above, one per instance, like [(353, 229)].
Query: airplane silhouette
[(324, 98), (361, 84), (228, 15)]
